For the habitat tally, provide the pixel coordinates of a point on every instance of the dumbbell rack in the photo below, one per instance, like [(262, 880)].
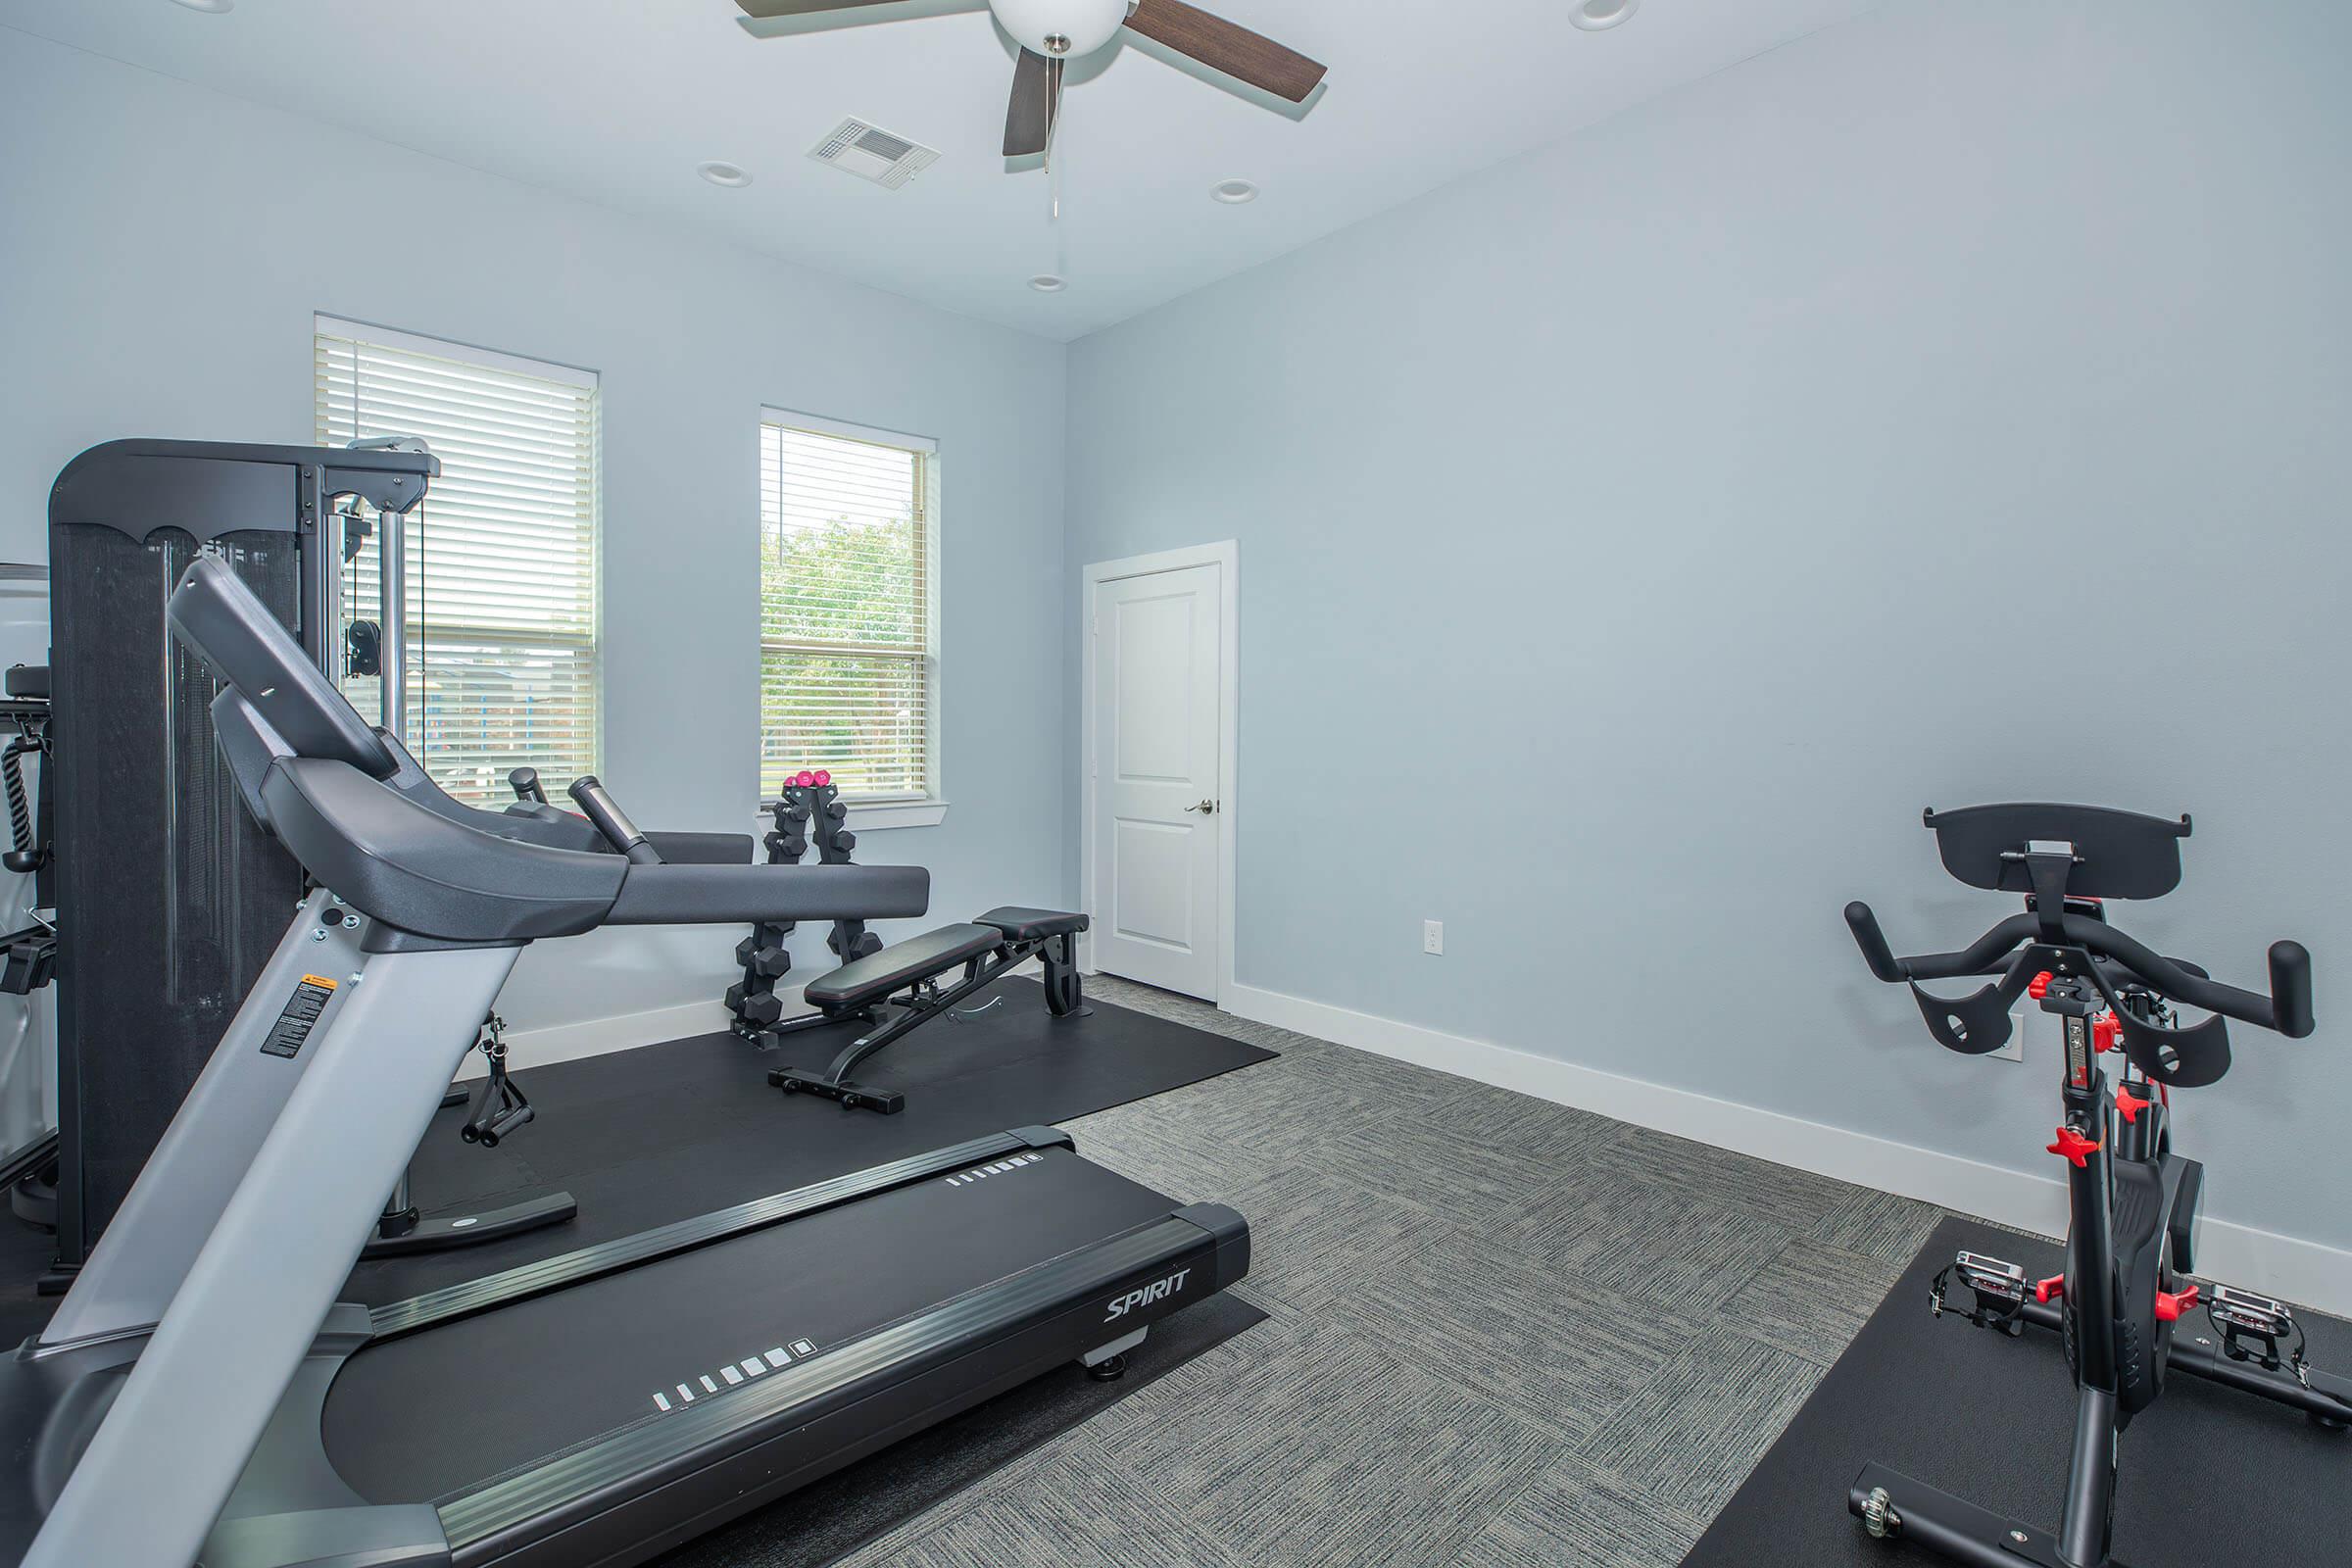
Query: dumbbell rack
[(811, 807)]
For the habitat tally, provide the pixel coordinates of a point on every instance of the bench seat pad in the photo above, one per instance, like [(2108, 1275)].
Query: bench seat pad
[(1031, 925), (901, 964)]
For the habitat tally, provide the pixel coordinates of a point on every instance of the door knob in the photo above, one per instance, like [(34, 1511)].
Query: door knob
[(1204, 808)]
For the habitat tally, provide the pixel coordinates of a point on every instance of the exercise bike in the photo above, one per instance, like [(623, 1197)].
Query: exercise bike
[(2133, 1201)]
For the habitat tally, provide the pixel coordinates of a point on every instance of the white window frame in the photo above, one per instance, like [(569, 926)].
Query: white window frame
[(442, 347), (932, 810), (341, 326)]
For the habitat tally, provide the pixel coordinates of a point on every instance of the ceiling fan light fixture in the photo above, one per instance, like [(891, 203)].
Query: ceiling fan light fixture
[(1061, 29), (1234, 192), (1048, 283), (211, 7), (1599, 16), (718, 172)]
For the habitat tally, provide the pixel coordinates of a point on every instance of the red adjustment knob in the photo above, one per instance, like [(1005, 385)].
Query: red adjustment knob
[(2072, 1146), (2107, 1032), (2040, 987), (2130, 1103), (2168, 1306), (2047, 1290)]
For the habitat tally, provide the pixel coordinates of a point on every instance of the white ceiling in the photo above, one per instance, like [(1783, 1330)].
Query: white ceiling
[(616, 101)]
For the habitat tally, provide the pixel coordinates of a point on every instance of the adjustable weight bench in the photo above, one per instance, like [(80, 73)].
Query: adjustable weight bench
[(907, 975)]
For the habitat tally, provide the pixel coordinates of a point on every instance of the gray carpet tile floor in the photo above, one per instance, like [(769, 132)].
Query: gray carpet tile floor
[(1504, 1332)]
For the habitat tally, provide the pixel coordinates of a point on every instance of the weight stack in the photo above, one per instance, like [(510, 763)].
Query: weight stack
[(170, 897)]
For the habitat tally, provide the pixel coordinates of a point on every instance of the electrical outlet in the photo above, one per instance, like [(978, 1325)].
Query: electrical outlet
[(1433, 935), (2022, 1019)]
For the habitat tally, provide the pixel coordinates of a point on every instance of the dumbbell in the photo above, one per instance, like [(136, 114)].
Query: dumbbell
[(767, 961), (744, 999), (762, 1009), (862, 945), (766, 935)]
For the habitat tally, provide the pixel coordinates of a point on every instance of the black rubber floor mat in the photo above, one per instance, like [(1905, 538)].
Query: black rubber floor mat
[(2207, 1476), (661, 1133)]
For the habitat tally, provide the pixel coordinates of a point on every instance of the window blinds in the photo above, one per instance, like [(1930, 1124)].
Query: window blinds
[(848, 668), (501, 556)]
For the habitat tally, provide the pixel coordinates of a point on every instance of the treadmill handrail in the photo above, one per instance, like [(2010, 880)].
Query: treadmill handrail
[(661, 894)]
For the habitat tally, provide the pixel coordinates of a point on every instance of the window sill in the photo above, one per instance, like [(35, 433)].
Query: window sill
[(879, 816)]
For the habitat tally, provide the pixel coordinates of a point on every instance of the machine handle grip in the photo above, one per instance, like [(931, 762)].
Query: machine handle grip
[(2291, 989), (526, 785), (596, 803), (1872, 942)]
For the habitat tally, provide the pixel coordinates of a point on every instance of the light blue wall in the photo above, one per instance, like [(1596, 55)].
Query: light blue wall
[(1949, 407), (161, 250)]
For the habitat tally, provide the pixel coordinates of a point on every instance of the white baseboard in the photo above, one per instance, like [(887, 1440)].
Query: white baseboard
[(2301, 1271), (599, 1037)]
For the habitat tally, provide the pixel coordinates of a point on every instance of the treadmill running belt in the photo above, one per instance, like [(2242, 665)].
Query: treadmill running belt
[(541, 1376)]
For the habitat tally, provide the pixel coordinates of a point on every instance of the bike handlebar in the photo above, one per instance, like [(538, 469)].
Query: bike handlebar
[(2291, 989), (2286, 1010), (1873, 942)]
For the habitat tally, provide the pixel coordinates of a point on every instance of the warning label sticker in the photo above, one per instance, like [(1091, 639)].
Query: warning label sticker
[(292, 1031)]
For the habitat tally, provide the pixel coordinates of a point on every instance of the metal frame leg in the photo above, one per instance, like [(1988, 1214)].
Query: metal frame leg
[(1896, 1506), (2089, 1518)]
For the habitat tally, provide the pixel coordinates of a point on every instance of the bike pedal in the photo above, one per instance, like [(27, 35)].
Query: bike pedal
[(1991, 1276), (2256, 1314), (1996, 1289), (2252, 1326)]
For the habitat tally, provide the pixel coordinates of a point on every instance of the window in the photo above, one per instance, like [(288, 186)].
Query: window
[(501, 556), (849, 587)]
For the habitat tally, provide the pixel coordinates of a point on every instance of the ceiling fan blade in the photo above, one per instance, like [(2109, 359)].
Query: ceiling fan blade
[(1234, 50), (1036, 102), (765, 8), (776, 19)]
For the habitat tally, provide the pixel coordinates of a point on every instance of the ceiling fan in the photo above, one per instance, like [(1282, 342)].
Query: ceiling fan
[(1052, 33)]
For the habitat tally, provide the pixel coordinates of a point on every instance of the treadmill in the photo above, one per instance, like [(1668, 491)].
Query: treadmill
[(201, 1394)]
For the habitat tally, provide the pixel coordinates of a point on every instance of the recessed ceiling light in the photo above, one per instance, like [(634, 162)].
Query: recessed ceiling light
[(1599, 15), (1047, 284), (214, 6), (720, 172), (1234, 192)]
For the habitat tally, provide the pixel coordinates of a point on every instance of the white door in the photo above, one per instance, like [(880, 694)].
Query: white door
[(1155, 646)]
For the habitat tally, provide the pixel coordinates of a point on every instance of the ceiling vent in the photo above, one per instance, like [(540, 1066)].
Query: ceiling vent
[(874, 153)]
